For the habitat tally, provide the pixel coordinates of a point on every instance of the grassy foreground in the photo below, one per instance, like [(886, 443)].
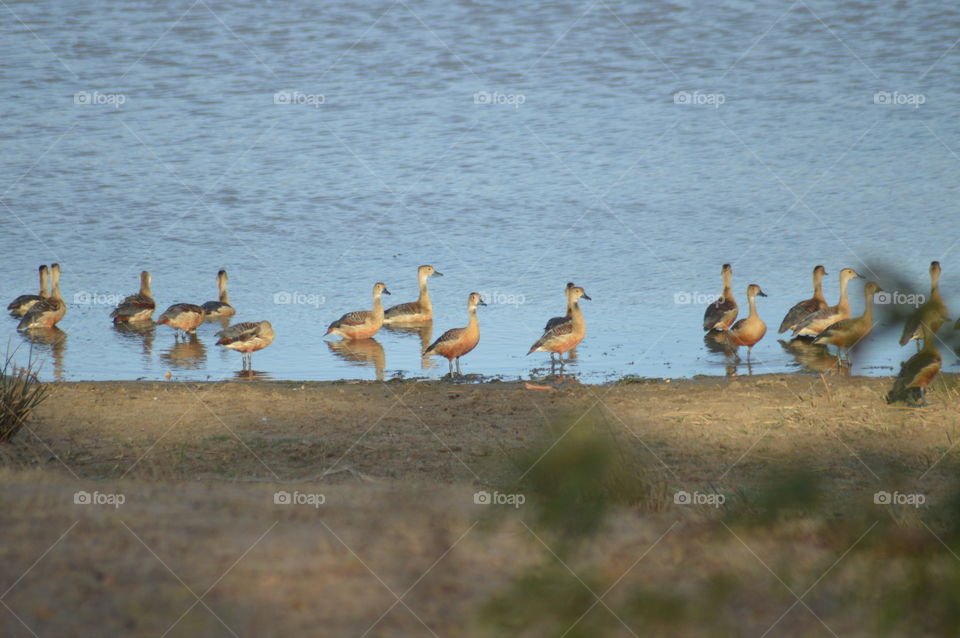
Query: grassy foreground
[(710, 507)]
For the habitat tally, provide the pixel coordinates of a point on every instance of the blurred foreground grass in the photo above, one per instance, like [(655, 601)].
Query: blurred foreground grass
[(837, 561)]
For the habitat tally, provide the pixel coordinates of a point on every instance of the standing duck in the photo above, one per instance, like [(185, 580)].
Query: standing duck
[(456, 342), (49, 310), (722, 312), (221, 308), (415, 311), (847, 333), (246, 338), (747, 332), (182, 317), (566, 334), (816, 322), (19, 306), (361, 324), (803, 308), (932, 313), (138, 307), (917, 372)]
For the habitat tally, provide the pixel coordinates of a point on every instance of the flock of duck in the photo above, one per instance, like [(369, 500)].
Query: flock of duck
[(812, 320), (45, 310), (815, 321)]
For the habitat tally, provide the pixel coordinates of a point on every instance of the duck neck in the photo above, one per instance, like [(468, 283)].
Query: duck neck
[(424, 299), (43, 283), (844, 303), (752, 302), (818, 288), (473, 325), (868, 307), (222, 285), (935, 284), (727, 286), (56, 290), (377, 307), (145, 288), (577, 315), (571, 304)]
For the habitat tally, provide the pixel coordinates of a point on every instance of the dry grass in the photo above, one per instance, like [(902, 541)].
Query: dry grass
[(796, 459)]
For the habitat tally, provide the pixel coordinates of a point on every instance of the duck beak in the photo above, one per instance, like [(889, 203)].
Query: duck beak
[(386, 292), (761, 293), (437, 273), (481, 303), (586, 296)]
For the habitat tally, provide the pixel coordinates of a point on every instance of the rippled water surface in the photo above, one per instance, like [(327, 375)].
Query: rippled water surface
[(315, 148)]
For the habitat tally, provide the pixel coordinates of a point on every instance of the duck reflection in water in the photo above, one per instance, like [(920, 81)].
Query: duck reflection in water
[(186, 354), (361, 352), (143, 332), (424, 330), (815, 358), (48, 341)]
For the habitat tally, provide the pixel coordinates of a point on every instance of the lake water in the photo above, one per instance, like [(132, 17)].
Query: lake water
[(314, 148)]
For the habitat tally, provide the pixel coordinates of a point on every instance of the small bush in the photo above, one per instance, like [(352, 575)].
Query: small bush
[(20, 393)]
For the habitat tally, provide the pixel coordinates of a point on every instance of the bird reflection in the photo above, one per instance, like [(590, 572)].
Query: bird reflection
[(49, 340), (142, 331), (716, 341), (422, 329), (361, 352), (251, 375), (187, 354), (815, 358)]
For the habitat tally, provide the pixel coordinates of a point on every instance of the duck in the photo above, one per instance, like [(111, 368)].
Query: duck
[(567, 334), (748, 331), (722, 312), (803, 308), (221, 308), (182, 317), (246, 338), (555, 321), (415, 311), (19, 306), (917, 372), (138, 307), (816, 322), (47, 312), (361, 324), (933, 312), (847, 333), (456, 342)]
